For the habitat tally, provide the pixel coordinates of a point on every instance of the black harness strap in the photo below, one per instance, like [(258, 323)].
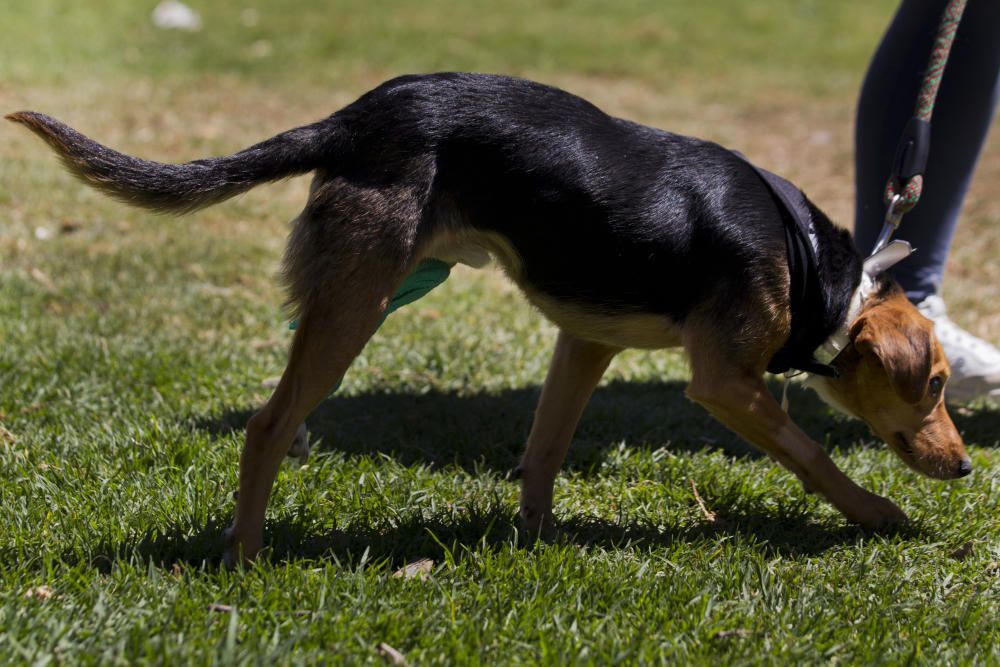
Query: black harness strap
[(807, 299)]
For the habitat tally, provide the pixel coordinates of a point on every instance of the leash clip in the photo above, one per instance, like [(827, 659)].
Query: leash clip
[(893, 216)]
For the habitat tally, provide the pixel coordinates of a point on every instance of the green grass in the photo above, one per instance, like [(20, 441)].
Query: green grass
[(660, 42), (133, 349)]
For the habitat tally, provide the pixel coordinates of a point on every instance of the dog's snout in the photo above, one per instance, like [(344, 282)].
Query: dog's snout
[(964, 467)]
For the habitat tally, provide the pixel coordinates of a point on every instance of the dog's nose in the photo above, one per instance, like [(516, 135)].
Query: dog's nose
[(964, 467)]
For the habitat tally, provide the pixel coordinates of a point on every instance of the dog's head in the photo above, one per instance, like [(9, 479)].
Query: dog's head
[(893, 376)]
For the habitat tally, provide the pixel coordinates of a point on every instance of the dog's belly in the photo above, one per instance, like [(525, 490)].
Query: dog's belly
[(625, 329), (639, 330)]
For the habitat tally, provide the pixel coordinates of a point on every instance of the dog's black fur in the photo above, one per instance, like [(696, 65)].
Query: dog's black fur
[(608, 214)]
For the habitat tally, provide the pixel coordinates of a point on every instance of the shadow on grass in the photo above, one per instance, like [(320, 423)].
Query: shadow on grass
[(494, 527), (489, 429)]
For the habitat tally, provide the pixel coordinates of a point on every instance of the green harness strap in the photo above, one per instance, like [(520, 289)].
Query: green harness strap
[(429, 274)]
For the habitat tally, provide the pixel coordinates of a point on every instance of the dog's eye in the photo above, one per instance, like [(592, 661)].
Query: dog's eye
[(935, 386)]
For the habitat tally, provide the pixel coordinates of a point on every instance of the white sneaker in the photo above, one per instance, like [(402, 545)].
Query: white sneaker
[(975, 363)]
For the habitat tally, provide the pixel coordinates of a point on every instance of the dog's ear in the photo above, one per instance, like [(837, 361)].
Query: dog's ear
[(901, 343)]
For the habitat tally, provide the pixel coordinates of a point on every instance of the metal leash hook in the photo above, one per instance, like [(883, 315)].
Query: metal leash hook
[(893, 216)]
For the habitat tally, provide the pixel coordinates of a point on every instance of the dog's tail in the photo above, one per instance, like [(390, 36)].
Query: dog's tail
[(182, 188)]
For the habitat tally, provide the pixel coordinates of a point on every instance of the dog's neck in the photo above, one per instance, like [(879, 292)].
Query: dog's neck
[(875, 265), (820, 280), (822, 274)]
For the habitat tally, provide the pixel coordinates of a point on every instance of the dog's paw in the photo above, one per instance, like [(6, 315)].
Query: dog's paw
[(237, 552), (230, 558), (537, 524), (877, 513), (300, 448)]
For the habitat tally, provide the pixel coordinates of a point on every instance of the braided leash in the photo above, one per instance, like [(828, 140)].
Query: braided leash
[(902, 192)]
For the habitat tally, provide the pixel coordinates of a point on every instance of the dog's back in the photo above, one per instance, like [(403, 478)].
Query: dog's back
[(599, 211)]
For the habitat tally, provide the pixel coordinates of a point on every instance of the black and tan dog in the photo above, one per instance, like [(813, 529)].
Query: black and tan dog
[(623, 235)]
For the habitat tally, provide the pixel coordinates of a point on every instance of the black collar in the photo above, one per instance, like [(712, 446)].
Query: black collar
[(806, 295)]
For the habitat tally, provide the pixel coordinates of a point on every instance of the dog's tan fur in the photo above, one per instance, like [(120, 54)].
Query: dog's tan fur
[(884, 377)]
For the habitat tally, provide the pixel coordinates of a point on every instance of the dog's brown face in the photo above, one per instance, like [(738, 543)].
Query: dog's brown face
[(893, 377)]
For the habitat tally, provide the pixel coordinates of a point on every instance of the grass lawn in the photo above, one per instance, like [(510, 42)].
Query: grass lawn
[(133, 348)]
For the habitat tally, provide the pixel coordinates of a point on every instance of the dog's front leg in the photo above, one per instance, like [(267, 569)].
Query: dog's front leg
[(576, 368), (743, 403)]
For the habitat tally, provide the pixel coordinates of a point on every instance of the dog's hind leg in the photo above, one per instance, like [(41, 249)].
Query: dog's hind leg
[(326, 342), (300, 448), (576, 368), (348, 253)]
